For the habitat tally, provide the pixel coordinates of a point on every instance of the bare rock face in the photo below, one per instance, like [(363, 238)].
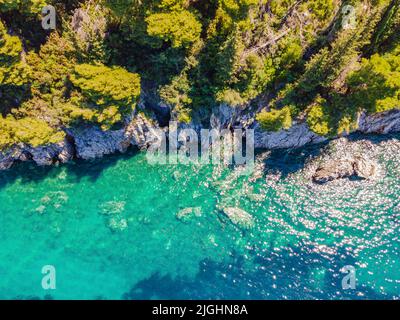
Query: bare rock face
[(88, 143), (334, 170), (48, 155), (224, 116), (6, 160), (142, 132), (239, 217), (364, 168), (42, 156), (381, 123), (344, 159), (299, 134), (91, 142), (296, 136)]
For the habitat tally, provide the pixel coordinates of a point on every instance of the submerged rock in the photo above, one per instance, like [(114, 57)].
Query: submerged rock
[(117, 224), (186, 214), (239, 217), (112, 207)]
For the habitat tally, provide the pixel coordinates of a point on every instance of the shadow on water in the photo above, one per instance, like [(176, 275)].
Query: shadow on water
[(287, 161), (29, 172), (291, 274)]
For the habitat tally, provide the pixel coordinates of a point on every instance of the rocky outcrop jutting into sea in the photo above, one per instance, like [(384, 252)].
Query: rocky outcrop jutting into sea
[(345, 159)]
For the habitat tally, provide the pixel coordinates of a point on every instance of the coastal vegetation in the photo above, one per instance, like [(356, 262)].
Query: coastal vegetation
[(319, 61)]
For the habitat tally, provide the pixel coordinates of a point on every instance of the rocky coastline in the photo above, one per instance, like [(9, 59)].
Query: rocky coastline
[(87, 143), (90, 142)]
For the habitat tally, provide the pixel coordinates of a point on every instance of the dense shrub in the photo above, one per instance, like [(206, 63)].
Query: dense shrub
[(318, 119), (30, 131), (181, 28), (111, 93), (24, 6), (376, 86), (275, 120)]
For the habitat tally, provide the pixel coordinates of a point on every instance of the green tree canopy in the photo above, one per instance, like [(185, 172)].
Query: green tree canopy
[(11, 67), (110, 92), (376, 86), (33, 132), (24, 6)]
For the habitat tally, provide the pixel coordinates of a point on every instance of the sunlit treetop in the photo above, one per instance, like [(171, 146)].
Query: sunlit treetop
[(24, 6)]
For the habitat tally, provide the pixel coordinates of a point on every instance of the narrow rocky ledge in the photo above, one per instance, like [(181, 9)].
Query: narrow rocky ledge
[(90, 142), (86, 142), (299, 134)]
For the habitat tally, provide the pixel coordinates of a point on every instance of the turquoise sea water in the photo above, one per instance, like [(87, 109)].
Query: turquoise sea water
[(110, 230)]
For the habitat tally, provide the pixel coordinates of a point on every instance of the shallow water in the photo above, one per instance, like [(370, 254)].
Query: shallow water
[(110, 230)]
